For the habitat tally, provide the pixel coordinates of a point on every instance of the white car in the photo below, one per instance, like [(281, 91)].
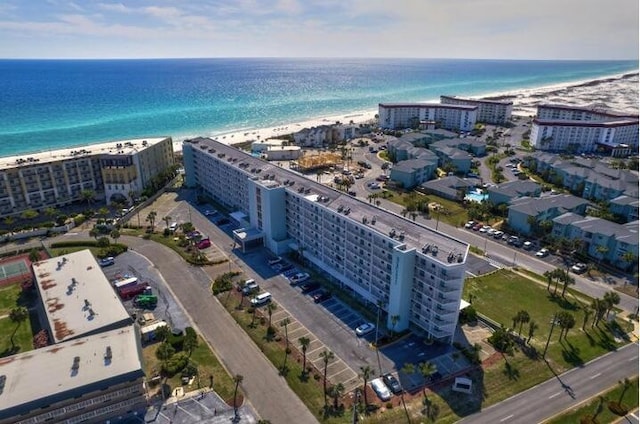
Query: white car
[(491, 231), (484, 229), (470, 224), (528, 245), (542, 253), (364, 329), (299, 278), (381, 389)]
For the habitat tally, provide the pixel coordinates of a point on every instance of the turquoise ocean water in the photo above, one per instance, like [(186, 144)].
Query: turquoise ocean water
[(48, 104)]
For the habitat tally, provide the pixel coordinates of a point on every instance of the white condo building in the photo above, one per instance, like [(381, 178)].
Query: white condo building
[(489, 111), (576, 129), (416, 273), (409, 115)]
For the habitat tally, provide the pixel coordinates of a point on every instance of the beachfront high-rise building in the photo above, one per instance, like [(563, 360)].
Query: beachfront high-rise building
[(416, 273), (496, 112), (574, 129), (410, 115), (112, 171)]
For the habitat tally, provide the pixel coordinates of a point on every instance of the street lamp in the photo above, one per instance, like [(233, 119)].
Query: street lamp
[(377, 327)]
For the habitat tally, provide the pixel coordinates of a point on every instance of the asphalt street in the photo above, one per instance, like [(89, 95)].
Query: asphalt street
[(563, 392)]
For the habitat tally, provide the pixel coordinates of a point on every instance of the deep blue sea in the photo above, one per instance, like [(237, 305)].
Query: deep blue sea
[(46, 104)]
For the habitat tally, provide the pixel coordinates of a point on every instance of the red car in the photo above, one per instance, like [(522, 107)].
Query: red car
[(132, 291), (477, 227), (204, 243)]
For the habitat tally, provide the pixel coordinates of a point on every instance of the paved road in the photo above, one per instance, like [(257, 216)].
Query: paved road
[(567, 390)]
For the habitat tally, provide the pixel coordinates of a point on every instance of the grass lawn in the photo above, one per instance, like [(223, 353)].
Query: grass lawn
[(208, 365), (308, 389), (23, 338), (9, 297), (502, 294), (590, 408), (454, 212)]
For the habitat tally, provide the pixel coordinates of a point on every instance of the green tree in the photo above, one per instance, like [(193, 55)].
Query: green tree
[(611, 299), (602, 252), (566, 281), (426, 369), (599, 308), (162, 333), (237, 379), (566, 321), (523, 318), (190, 340), (88, 196), (630, 259), (304, 345), (502, 341), (167, 220), (365, 373), (336, 391), (34, 255), (164, 352), (326, 356), (17, 315), (271, 307), (151, 219), (115, 235), (29, 214), (285, 323)]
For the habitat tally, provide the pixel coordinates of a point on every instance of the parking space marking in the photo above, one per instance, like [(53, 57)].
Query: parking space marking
[(334, 375)]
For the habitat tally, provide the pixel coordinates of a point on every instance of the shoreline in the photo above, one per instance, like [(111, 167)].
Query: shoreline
[(524, 101)]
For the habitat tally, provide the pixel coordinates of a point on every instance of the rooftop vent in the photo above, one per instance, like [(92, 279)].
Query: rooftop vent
[(364, 220), (108, 355), (434, 250), (401, 235), (76, 363), (392, 233), (307, 191), (340, 208), (347, 211), (373, 220), (426, 248), (460, 258)]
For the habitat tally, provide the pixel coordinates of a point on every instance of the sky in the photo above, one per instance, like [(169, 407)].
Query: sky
[(473, 29)]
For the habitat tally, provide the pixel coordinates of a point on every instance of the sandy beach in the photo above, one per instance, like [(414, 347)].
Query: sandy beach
[(618, 93)]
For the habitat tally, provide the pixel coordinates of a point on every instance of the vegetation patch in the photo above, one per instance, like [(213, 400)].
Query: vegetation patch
[(16, 334)]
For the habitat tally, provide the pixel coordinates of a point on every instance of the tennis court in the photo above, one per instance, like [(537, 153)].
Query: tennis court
[(14, 270)]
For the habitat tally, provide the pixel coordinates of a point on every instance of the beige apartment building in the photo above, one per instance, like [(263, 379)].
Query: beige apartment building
[(113, 171)]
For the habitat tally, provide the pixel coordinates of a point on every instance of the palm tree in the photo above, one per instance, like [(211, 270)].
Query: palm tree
[(115, 235), (365, 372), (630, 258), (611, 299), (599, 308), (167, 220), (587, 314), (151, 219), (602, 251), (549, 276), (326, 356), (394, 321), (88, 195), (533, 326), (566, 321), (237, 379), (426, 369), (523, 318), (566, 281), (335, 392), (304, 344), (626, 383), (284, 323), (17, 315), (270, 308)]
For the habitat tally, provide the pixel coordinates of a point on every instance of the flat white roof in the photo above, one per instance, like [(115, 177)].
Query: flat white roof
[(43, 375), (117, 147), (76, 296)]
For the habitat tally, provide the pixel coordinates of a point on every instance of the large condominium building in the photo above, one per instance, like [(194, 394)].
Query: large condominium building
[(489, 111), (576, 129), (409, 115), (416, 273), (94, 379), (113, 171), (93, 370)]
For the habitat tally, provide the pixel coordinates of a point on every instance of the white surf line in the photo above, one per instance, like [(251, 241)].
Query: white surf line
[(506, 418), (595, 376)]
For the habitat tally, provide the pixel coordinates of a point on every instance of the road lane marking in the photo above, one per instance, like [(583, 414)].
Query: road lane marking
[(554, 395), (595, 376), (632, 359), (506, 418)]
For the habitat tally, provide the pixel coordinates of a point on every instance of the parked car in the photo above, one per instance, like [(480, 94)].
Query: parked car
[(498, 234), (364, 329), (109, 260), (527, 245), (579, 268), (299, 278), (321, 296), (249, 287), (381, 389), (512, 239), (542, 253), (275, 261), (309, 286), (485, 228), (392, 383), (476, 227), (469, 224), (204, 243)]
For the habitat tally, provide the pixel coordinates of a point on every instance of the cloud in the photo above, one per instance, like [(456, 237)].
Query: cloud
[(114, 7)]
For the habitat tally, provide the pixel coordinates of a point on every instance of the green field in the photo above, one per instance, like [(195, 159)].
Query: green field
[(453, 213), (23, 338), (9, 297), (593, 407), (502, 294)]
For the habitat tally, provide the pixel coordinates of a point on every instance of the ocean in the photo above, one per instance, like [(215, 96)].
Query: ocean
[(49, 104)]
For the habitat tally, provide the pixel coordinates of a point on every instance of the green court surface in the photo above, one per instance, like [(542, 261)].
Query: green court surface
[(12, 269)]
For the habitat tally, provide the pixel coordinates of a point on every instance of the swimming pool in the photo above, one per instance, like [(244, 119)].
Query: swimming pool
[(476, 196)]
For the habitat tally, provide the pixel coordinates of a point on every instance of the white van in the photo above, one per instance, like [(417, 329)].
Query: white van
[(173, 227), (261, 299)]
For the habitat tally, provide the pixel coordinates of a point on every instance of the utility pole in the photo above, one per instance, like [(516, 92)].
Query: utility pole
[(553, 324), (378, 326)]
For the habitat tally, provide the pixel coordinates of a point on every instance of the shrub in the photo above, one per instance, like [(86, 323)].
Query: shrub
[(175, 364), (389, 405), (79, 220), (103, 242), (74, 243), (112, 250), (618, 408), (177, 342)]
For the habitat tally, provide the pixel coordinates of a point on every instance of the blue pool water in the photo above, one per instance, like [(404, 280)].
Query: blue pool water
[(476, 196)]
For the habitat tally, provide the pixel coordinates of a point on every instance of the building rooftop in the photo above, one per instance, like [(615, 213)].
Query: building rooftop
[(428, 105), (410, 165), (617, 122), (77, 297), (627, 233), (415, 235), (479, 101), (120, 147), (625, 200), (534, 206), (41, 377), (587, 108), (515, 188), (449, 185)]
